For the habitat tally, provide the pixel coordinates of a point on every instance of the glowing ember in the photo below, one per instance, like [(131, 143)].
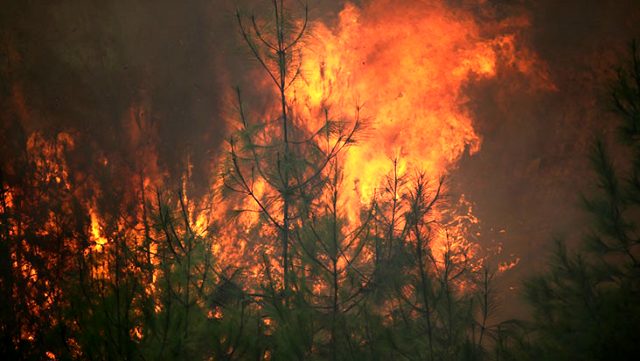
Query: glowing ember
[(96, 236)]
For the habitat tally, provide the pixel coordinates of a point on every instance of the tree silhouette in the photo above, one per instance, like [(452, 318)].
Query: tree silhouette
[(585, 307)]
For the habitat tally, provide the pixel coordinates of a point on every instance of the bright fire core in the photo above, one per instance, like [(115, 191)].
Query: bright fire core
[(405, 67)]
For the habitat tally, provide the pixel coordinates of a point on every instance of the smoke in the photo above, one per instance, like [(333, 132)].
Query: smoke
[(81, 66), (527, 178)]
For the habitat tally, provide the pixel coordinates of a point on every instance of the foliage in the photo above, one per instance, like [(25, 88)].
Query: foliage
[(585, 307)]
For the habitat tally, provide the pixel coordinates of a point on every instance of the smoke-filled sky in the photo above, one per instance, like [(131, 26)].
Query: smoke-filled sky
[(533, 165), (82, 66)]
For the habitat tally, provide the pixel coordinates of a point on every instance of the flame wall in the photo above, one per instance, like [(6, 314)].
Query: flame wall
[(138, 87)]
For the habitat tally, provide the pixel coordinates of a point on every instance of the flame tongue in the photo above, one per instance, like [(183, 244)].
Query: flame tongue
[(407, 66)]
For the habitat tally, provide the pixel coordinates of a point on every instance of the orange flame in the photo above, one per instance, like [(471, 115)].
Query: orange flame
[(404, 68), (406, 65), (96, 236)]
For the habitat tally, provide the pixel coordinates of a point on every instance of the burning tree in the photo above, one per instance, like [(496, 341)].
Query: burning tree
[(286, 170), (281, 156), (330, 263), (337, 266)]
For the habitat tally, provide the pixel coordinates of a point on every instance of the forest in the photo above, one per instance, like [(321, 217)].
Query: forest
[(311, 238)]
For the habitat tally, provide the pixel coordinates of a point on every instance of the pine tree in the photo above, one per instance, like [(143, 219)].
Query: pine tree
[(283, 169), (586, 306)]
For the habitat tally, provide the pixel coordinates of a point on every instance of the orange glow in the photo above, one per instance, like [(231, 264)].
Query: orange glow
[(96, 236), (48, 156), (507, 265), (216, 313), (8, 201), (402, 68), (405, 66)]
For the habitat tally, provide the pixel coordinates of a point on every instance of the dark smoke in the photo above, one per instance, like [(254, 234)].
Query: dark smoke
[(526, 179), (82, 64)]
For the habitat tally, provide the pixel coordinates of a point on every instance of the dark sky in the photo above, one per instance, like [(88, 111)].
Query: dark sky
[(80, 64)]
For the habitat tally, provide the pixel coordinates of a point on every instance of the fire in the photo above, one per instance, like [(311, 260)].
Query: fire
[(96, 235), (405, 66), (48, 156), (402, 68)]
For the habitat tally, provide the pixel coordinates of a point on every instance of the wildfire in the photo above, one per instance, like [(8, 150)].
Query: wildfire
[(96, 236), (406, 66), (401, 67)]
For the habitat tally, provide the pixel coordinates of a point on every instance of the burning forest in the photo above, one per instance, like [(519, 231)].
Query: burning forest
[(283, 180)]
